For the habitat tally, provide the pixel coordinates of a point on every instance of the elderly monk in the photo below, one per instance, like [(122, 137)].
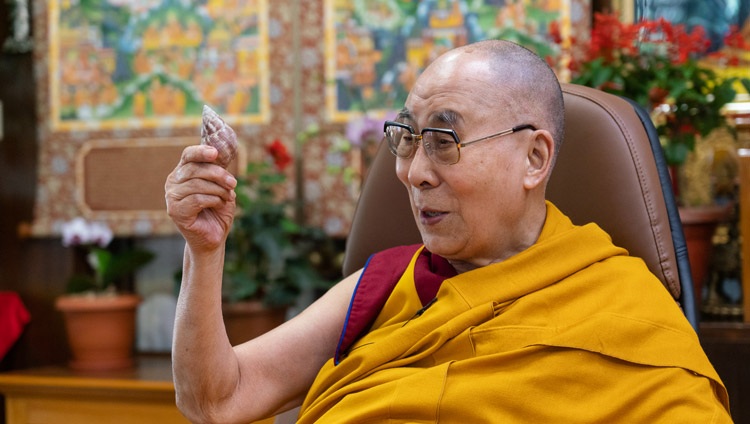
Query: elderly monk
[(507, 313)]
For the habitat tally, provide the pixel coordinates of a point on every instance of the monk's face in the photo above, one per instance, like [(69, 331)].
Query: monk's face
[(471, 212)]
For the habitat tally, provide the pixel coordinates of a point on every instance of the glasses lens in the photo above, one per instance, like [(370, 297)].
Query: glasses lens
[(441, 147), (400, 141)]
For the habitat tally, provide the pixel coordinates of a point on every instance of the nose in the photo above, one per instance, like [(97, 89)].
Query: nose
[(420, 167)]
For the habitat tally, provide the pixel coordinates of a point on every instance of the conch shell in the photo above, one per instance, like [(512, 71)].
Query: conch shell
[(215, 132)]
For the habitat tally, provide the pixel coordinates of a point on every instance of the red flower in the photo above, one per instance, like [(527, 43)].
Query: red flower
[(279, 153), (734, 43), (655, 62), (687, 128), (609, 35), (686, 44), (611, 38), (554, 32), (656, 95), (735, 39)]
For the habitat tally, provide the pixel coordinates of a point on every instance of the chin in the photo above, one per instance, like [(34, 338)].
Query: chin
[(439, 245)]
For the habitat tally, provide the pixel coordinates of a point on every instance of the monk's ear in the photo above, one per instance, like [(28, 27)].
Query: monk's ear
[(540, 154)]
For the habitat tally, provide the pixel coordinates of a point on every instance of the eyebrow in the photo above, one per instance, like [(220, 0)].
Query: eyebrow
[(446, 116), (405, 114)]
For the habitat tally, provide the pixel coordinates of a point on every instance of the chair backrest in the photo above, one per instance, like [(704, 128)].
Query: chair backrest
[(610, 170)]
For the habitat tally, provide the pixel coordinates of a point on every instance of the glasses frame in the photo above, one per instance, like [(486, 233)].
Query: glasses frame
[(419, 137)]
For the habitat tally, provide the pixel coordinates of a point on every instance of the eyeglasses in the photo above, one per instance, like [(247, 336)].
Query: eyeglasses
[(442, 145)]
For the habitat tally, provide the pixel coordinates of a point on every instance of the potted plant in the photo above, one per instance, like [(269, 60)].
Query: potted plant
[(99, 318), (656, 63), (270, 258)]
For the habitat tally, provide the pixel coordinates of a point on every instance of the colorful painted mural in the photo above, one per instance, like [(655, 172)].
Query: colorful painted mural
[(376, 49), (78, 42), (138, 64)]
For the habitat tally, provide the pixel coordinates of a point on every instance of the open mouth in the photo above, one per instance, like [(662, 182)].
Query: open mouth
[(431, 216)]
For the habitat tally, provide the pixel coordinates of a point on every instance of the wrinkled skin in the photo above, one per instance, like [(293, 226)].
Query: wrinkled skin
[(490, 205)]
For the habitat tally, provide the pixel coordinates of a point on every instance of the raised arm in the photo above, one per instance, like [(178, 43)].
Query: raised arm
[(214, 381)]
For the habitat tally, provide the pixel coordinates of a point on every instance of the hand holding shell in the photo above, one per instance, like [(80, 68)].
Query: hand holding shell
[(215, 132)]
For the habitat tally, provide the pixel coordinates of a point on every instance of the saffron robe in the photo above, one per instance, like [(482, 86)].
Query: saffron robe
[(570, 330)]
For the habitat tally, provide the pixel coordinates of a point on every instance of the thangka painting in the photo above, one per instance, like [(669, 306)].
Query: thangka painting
[(121, 86), (117, 64), (376, 49)]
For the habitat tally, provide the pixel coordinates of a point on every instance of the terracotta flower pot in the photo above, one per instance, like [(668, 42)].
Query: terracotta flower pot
[(247, 320), (699, 224), (101, 330)]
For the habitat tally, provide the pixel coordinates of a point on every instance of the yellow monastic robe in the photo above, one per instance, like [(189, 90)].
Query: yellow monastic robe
[(570, 330)]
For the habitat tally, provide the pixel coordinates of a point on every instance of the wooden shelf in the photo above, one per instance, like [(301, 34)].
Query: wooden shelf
[(744, 174), (725, 332), (143, 394), (727, 345)]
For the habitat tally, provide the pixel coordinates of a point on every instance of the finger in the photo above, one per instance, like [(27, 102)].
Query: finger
[(192, 204), (199, 153), (195, 178), (184, 211), (203, 186), (185, 172), (177, 192)]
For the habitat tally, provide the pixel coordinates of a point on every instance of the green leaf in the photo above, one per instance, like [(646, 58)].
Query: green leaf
[(115, 266), (80, 283), (745, 84), (676, 153)]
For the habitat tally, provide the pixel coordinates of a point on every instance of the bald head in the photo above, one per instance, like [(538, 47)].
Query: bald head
[(521, 82)]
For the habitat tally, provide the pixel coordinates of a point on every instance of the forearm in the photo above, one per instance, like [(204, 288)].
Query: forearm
[(204, 364), (218, 383)]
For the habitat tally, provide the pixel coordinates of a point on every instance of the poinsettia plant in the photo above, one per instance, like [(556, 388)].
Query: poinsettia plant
[(269, 256), (656, 63)]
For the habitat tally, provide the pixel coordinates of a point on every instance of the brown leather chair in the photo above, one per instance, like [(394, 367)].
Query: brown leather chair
[(610, 170)]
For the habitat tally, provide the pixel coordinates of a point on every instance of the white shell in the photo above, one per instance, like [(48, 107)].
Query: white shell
[(215, 132)]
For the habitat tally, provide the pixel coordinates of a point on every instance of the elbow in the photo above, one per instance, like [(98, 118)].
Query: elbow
[(200, 412), (207, 412)]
